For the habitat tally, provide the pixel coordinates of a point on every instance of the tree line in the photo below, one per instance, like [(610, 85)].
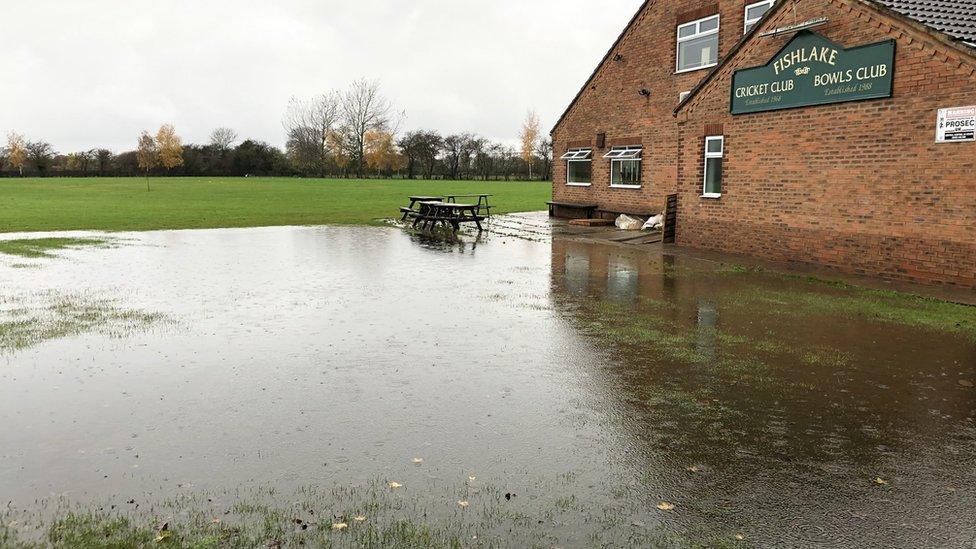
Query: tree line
[(350, 133)]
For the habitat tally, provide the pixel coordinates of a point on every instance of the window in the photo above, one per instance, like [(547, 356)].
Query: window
[(698, 44), (578, 166), (714, 151), (754, 13), (625, 166)]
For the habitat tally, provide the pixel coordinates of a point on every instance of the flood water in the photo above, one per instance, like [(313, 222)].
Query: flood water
[(759, 406)]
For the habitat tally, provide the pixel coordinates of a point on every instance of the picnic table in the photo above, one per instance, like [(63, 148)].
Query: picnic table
[(482, 201), (447, 213), (409, 210)]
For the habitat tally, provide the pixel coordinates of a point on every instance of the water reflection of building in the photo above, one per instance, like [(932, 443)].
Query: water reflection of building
[(611, 272), (755, 399)]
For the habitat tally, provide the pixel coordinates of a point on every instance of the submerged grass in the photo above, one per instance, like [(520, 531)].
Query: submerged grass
[(851, 302), (34, 248), (28, 321), (804, 296), (365, 516)]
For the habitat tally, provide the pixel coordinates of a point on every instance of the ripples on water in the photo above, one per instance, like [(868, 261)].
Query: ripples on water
[(576, 375)]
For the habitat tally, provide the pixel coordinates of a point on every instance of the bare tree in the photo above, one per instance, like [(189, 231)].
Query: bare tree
[(421, 148), (544, 151), (506, 155), (457, 152), (40, 154), (486, 157), (222, 139), (309, 125), (365, 109)]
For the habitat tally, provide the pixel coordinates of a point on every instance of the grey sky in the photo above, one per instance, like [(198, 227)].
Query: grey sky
[(94, 73)]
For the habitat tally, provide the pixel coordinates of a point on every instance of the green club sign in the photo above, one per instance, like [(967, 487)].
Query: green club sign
[(812, 70)]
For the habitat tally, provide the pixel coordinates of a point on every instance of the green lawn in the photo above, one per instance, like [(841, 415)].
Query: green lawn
[(122, 204)]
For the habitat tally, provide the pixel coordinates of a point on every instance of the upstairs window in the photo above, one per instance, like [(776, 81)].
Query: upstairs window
[(714, 153), (625, 166), (698, 44), (578, 166), (755, 12)]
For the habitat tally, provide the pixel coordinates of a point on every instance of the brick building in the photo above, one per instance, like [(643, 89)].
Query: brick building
[(796, 130)]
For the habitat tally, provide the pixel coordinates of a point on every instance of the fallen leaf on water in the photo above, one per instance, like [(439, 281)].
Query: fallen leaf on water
[(395, 485), (693, 469), (880, 481), (418, 460), (665, 506), (463, 503), (339, 526), (740, 537), (965, 383), (359, 518)]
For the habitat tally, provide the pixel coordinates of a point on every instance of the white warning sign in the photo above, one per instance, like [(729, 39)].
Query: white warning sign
[(956, 124)]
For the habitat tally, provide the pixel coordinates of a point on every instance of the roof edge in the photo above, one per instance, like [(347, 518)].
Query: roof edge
[(600, 65)]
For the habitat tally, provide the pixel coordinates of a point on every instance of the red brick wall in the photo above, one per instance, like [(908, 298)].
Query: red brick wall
[(611, 104), (861, 187)]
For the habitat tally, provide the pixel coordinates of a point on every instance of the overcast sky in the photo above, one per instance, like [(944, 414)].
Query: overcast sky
[(94, 73)]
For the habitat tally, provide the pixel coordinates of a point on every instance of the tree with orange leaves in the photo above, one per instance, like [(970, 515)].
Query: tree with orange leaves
[(16, 151), (170, 147), (380, 153), (530, 137)]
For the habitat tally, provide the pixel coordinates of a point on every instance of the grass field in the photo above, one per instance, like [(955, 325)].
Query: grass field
[(123, 204)]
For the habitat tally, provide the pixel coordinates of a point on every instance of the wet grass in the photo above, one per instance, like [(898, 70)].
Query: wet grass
[(802, 296), (34, 248), (815, 298), (31, 320), (118, 204), (645, 329), (365, 516)]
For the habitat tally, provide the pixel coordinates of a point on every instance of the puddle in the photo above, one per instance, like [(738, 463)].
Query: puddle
[(600, 384)]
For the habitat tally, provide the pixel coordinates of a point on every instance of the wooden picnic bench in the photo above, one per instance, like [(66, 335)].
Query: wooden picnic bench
[(483, 205), (447, 213), (409, 211), (588, 209)]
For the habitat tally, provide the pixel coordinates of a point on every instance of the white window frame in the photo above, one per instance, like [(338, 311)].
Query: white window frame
[(745, 14), (578, 155), (698, 34), (719, 154), (626, 154)]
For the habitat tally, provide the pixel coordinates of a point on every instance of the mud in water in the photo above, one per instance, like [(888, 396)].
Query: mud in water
[(707, 402)]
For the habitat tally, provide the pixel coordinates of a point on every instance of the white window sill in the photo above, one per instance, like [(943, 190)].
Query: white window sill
[(578, 184), (703, 67), (625, 186), (712, 195)]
